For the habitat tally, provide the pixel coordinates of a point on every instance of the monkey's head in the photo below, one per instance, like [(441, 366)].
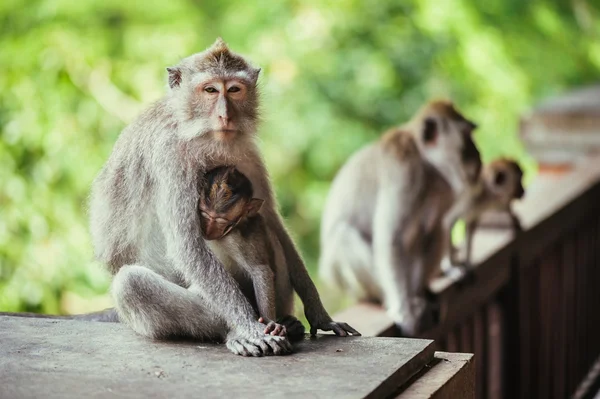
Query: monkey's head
[(444, 137), (504, 178), (214, 93), (225, 201)]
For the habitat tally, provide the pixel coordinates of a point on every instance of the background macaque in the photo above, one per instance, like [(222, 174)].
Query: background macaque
[(382, 236), (144, 219), (499, 184), (237, 234)]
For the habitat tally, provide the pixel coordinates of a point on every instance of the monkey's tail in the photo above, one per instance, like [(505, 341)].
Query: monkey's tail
[(107, 315)]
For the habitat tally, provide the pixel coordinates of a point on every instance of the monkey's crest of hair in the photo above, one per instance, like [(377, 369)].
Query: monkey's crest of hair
[(221, 61)]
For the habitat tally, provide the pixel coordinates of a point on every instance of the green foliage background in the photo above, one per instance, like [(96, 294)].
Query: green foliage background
[(335, 74)]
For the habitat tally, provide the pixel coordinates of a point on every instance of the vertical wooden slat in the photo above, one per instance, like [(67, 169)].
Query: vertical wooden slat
[(543, 319), (568, 311), (480, 350), (511, 335), (495, 350), (557, 326), (581, 322), (452, 342), (466, 336)]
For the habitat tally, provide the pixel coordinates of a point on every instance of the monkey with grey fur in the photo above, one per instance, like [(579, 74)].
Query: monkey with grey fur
[(144, 221), (382, 236)]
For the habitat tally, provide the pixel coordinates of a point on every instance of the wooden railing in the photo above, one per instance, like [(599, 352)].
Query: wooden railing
[(532, 316)]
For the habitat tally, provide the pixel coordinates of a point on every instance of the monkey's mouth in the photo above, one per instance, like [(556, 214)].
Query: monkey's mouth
[(225, 134)]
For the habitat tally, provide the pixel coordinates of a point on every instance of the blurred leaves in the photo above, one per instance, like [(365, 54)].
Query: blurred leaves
[(335, 75)]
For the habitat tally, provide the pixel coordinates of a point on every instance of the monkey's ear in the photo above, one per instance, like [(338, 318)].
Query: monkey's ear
[(174, 77), (254, 72), (430, 131), (254, 206)]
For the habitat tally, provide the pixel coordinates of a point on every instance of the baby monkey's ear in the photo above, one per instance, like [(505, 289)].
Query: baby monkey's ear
[(253, 207)]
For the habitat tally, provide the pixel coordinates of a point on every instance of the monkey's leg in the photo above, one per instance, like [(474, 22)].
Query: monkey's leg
[(467, 265), (157, 308)]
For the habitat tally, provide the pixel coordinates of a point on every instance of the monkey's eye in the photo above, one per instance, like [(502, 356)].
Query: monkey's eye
[(204, 215), (234, 89), (210, 89)]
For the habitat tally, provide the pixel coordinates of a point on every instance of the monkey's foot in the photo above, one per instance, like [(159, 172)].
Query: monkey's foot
[(340, 329), (256, 343), (295, 329)]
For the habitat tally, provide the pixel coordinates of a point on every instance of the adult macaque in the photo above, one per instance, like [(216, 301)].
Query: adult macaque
[(382, 236), (237, 234), (499, 184), (144, 219)]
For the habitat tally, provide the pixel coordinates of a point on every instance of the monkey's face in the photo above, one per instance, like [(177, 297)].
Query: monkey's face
[(216, 223), (503, 178), (227, 105), (215, 92), (448, 144)]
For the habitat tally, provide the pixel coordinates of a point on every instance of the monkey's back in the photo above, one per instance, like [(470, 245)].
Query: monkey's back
[(353, 192)]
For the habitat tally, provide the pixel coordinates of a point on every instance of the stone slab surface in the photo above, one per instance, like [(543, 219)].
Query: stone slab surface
[(41, 358)]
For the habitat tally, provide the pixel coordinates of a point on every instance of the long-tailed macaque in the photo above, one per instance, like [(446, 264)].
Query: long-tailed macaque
[(237, 234), (144, 219), (499, 184), (382, 236)]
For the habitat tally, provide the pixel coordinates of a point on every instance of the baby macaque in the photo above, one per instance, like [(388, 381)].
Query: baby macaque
[(499, 183), (237, 234)]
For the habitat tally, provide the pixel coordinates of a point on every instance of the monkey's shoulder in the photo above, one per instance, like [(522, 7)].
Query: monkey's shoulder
[(401, 144), (252, 227)]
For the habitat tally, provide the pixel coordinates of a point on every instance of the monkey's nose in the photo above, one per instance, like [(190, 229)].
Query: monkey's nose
[(224, 121)]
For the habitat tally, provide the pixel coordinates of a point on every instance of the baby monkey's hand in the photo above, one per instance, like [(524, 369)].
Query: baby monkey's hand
[(273, 328)]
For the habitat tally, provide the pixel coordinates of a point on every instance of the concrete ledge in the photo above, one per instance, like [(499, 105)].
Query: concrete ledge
[(69, 359)]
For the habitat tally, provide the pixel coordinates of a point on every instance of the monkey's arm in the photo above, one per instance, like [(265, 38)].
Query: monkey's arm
[(253, 258), (314, 310)]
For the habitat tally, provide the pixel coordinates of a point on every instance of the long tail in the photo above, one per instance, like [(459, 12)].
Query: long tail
[(107, 315)]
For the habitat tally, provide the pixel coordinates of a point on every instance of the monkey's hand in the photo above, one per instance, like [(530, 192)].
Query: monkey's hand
[(254, 342), (340, 329), (273, 328)]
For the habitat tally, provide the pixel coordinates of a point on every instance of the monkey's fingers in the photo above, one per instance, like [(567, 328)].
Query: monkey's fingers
[(338, 330), (349, 329), (279, 330)]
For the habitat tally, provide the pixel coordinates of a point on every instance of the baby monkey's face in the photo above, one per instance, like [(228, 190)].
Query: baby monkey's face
[(217, 220)]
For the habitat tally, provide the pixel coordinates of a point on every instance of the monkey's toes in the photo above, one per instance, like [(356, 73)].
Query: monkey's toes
[(279, 345), (244, 348)]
